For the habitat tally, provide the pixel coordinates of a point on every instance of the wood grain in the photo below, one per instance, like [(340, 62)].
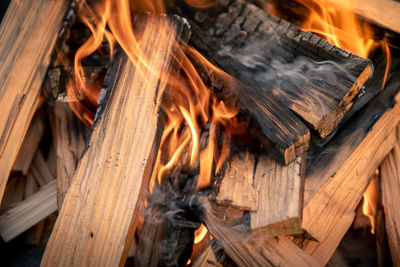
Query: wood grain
[(278, 66), (390, 188), (70, 139), (100, 211), (280, 192), (30, 144), (247, 250), (348, 162), (236, 188), (28, 212), (28, 33)]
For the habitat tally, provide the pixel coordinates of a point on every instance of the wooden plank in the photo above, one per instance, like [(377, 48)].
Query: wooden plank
[(390, 188), (271, 58), (236, 188), (70, 139), (383, 12), (100, 211), (25, 58), (40, 171), (30, 144), (280, 191), (348, 162), (251, 251), (207, 258), (28, 212)]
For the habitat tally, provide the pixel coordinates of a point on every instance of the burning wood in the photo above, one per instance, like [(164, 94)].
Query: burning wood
[(181, 152), (25, 59)]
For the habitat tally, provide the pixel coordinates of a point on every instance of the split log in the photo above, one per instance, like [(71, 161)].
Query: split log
[(236, 188), (245, 251), (151, 237), (280, 191), (14, 192), (33, 235), (207, 258), (40, 171), (100, 211), (28, 212), (348, 162), (30, 145), (25, 58), (390, 187), (273, 59), (70, 138)]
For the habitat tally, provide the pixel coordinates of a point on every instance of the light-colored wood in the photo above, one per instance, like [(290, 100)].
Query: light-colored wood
[(70, 139), (28, 33), (40, 171), (250, 250), (236, 188), (30, 144), (280, 194), (382, 12), (341, 192), (100, 211), (28, 212), (323, 251), (390, 187), (207, 258), (31, 185)]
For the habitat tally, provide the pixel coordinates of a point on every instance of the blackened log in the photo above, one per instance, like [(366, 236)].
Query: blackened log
[(278, 64)]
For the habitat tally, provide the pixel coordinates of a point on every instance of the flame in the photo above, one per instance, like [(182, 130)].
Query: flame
[(193, 107), (340, 26), (199, 234), (370, 200)]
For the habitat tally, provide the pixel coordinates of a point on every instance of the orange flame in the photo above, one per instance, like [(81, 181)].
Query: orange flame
[(193, 106), (340, 26), (370, 200), (200, 234)]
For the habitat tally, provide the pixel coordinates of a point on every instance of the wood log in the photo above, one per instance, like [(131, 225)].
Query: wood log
[(70, 138), (40, 171), (100, 211), (348, 162), (207, 258), (151, 237), (32, 236), (14, 192), (25, 58), (280, 191), (28, 212), (269, 57), (236, 188), (250, 251), (30, 144), (390, 188)]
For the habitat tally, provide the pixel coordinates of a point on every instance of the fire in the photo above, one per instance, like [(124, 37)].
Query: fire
[(370, 200), (340, 26), (199, 234), (194, 114)]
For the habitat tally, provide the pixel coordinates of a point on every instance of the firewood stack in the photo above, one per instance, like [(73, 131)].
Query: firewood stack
[(315, 125)]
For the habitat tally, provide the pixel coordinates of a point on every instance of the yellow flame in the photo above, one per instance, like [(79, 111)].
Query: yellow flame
[(370, 200), (200, 234), (340, 26), (193, 105)]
